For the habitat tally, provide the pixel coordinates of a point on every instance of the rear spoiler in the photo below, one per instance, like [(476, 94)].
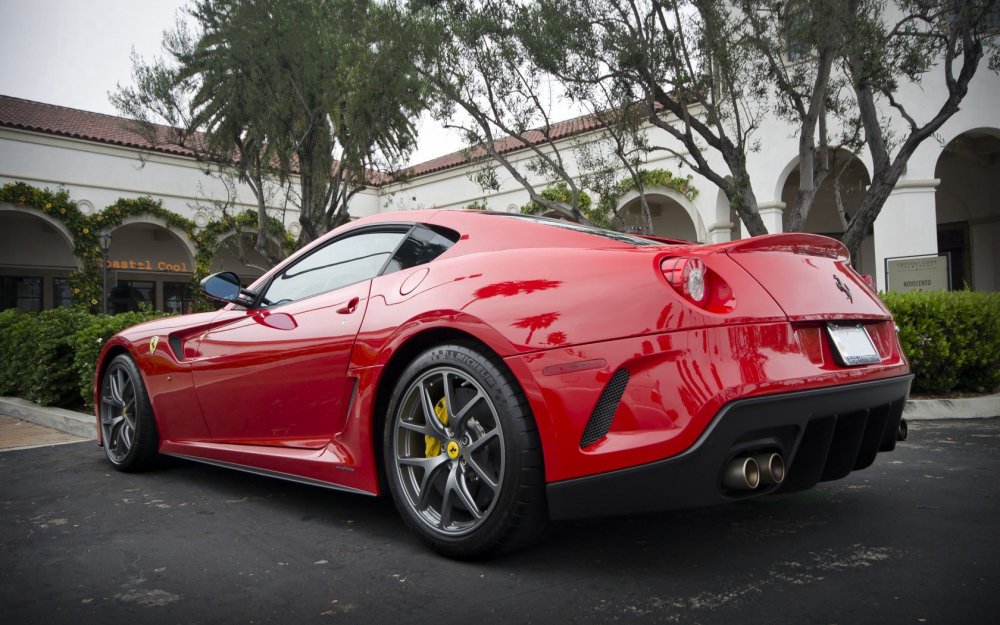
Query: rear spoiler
[(793, 242)]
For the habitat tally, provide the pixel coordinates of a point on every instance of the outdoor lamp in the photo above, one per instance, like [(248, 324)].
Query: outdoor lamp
[(105, 241)]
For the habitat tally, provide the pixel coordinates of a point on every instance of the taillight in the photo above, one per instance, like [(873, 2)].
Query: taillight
[(698, 284), (687, 276)]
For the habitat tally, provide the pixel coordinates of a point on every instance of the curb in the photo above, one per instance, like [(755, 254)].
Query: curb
[(74, 423), (965, 408), (85, 425)]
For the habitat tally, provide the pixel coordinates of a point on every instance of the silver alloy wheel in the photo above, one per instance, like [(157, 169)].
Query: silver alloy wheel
[(451, 470), (118, 412)]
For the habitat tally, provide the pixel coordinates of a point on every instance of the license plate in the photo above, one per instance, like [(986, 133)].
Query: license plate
[(852, 344)]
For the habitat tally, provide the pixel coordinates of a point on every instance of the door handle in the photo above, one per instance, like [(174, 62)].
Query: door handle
[(349, 307)]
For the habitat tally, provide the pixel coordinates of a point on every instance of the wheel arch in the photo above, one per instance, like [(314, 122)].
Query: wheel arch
[(401, 357)]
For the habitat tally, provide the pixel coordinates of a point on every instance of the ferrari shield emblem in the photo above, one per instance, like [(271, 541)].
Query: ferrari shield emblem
[(153, 343)]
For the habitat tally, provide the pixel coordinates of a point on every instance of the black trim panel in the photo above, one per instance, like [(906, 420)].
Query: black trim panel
[(822, 434), (268, 473)]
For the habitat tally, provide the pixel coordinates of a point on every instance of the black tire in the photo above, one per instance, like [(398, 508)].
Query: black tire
[(128, 429), (470, 484)]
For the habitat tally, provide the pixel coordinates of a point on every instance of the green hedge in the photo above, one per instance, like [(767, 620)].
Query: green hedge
[(951, 339), (49, 357)]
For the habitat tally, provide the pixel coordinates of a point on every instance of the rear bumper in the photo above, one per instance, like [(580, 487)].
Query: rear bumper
[(823, 434)]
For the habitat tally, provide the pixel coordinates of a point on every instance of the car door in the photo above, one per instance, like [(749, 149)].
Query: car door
[(276, 376)]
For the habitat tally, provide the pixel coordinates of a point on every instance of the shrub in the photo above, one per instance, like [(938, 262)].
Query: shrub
[(49, 357), (88, 341), (952, 339), (14, 337), (46, 366)]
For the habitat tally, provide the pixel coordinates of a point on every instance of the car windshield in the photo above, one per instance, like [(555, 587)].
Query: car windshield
[(600, 232)]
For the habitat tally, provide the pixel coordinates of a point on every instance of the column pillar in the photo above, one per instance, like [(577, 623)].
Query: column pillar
[(772, 213), (720, 233), (907, 224)]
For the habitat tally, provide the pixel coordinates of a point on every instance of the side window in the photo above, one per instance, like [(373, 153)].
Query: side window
[(336, 265), (422, 246)]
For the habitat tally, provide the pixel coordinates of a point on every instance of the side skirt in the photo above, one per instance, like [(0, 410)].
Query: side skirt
[(269, 473)]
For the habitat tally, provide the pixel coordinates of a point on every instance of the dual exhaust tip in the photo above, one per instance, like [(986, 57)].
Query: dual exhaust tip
[(751, 472)]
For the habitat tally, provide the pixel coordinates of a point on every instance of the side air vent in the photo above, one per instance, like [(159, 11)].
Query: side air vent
[(604, 411)]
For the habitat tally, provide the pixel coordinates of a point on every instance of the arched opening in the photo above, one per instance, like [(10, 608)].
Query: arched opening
[(670, 218), (851, 176), (968, 211), (149, 265), (36, 260), (237, 253)]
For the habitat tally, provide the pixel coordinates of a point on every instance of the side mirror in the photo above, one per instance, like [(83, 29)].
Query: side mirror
[(225, 287)]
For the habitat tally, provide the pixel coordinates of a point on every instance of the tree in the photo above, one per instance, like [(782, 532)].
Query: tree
[(487, 88), (854, 59), (683, 63), (708, 72), (311, 90)]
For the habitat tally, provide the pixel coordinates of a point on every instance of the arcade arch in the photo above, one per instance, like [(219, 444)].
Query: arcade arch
[(38, 260), (968, 210)]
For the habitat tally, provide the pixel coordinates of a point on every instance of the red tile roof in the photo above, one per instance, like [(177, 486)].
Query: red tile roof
[(558, 130), (69, 122)]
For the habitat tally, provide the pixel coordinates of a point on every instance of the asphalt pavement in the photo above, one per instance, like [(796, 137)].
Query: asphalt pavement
[(912, 539)]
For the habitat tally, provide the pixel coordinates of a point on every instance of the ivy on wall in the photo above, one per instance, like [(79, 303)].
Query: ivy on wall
[(86, 283), (603, 214), (651, 179)]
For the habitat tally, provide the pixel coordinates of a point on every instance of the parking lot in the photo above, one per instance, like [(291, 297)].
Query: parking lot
[(913, 539)]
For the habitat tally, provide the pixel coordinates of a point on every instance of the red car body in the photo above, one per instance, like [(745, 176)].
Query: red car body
[(299, 390)]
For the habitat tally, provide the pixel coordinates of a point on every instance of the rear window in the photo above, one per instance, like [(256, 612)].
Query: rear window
[(621, 237), (423, 245)]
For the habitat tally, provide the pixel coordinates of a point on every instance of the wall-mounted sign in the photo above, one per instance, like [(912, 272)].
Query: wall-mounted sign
[(917, 273), (148, 265)]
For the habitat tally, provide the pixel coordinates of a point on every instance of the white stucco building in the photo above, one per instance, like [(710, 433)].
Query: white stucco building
[(948, 201)]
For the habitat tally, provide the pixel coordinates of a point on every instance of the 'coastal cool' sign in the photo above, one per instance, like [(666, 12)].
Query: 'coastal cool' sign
[(148, 265)]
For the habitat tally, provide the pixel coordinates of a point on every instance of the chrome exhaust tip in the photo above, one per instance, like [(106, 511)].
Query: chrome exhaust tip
[(772, 468), (742, 474), (903, 430)]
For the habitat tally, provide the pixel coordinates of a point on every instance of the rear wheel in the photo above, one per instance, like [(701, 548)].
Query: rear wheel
[(462, 454), (128, 429)]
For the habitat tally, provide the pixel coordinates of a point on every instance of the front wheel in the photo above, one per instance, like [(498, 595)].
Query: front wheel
[(128, 430), (462, 454)]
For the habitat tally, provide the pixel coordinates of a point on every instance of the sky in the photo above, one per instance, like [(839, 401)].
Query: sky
[(73, 52)]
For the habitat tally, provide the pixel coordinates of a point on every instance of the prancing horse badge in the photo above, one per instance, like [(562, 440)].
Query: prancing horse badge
[(153, 343)]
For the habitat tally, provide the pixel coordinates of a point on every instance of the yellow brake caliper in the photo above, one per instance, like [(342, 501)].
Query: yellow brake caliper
[(432, 446)]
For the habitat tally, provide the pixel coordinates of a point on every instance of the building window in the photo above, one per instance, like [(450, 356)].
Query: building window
[(61, 294), (23, 293), (177, 297), (130, 294)]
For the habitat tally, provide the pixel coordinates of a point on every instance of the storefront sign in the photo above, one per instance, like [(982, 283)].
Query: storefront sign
[(917, 273), (148, 265)]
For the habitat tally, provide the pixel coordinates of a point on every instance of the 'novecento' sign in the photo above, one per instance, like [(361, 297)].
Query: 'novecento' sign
[(917, 273), (148, 265)]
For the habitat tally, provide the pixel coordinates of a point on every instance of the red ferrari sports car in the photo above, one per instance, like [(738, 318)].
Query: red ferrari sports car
[(494, 372)]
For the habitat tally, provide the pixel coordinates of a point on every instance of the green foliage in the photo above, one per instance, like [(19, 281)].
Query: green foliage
[(37, 356), (651, 179), (272, 88), (88, 341), (952, 340), (86, 284), (561, 193), (14, 333), (603, 215), (49, 357)]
